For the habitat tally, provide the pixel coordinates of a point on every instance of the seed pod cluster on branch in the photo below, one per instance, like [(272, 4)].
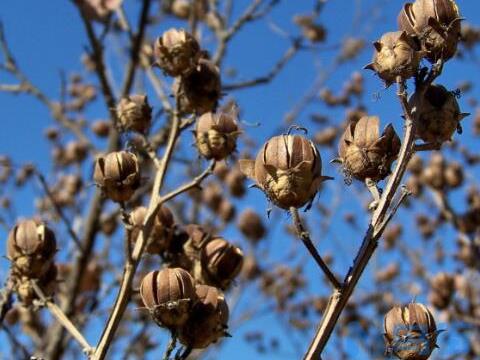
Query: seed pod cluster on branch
[(134, 113)]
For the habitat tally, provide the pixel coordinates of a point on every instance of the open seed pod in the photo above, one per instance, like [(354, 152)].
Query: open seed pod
[(365, 153), (169, 295), (31, 246), (199, 90), (396, 54), (288, 169), (176, 52), (221, 262), (135, 113), (436, 23), (118, 175), (208, 320), (410, 332), (216, 134), (438, 114)]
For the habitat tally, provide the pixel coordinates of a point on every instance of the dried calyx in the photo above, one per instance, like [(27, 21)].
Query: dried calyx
[(118, 175), (436, 23), (365, 153), (438, 114), (288, 169), (410, 332), (134, 113), (396, 54)]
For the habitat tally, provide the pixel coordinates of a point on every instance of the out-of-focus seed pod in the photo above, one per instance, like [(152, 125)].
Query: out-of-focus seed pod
[(212, 195), (396, 54), (235, 181), (311, 31), (199, 90), (388, 273), (415, 165), (454, 175), (98, 10), (221, 262), (75, 152), (414, 185), (135, 113), (118, 175), (251, 225), (226, 210), (176, 52), (391, 235), (365, 153), (31, 246), (442, 290), (216, 134), (426, 227), (169, 295), (436, 23), (288, 169), (208, 321), (251, 270), (438, 114), (410, 332), (326, 137), (434, 174)]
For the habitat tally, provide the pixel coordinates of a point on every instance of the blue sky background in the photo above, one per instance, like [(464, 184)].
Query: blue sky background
[(47, 37)]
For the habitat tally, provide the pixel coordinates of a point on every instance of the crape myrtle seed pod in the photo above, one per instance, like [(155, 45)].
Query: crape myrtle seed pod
[(169, 295), (288, 169), (436, 23), (208, 320), (365, 153), (235, 181), (396, 54), (134, 113), (438, 114), (216, 134), (410, 332), (31, 246), (198, 91), (221, 262), (251, 225), (176, 52), (118, 175)]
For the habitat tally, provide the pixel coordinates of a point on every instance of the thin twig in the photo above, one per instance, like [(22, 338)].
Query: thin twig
[(171, 346)]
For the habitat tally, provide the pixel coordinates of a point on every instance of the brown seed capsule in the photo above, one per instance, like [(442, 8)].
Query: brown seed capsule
[(454, 175), (251, 225), (434, 174), (221, 262), (176, 52), (75, 152), (365, 153), (118, 175), (396, 54), (235, 181), (198, 91), (410, 332), (208, 320), (135, 113), (439, 114), (98, 9), (288, 169), (442, 290), (101, 128), (216, 134), (226, 210), (31, 246), (311, 31), (436, 23), (169, 295)]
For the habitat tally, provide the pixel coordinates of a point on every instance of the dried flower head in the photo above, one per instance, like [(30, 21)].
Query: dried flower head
[(438, 114), (365, 153), (208, 320), (118, 175), (436, 23), (134, 113), (31, 246), (288, 169), (410, 332), (176, 52), (169, 295), (396, 54), (199, 90), (221, 262)]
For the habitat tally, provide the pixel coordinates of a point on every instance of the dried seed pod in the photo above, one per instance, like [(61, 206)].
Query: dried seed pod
[(221, 262), (288, 169), (75, 152), (388, 273), (216, 134), (442, 290), (199, 90), (454, 175), (135, 113), (226, 210), (410, 332), (101, 128), (208, 320), (98, 10), (251, 225), (176, 52), (365, 153), (434, 174), (439, 114), (118, 175), (396, 54), (169, 295), (31, 246), (235, 181), (436, 23)]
